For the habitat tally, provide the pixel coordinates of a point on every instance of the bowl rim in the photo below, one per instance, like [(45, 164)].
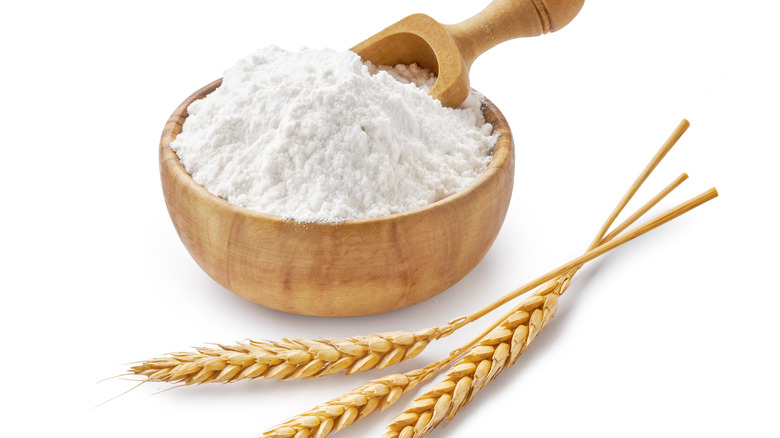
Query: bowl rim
[(169, 160)]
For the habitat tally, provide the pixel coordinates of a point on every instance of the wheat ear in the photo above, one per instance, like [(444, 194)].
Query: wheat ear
[(342, 411), (496, 351), (291, 359)]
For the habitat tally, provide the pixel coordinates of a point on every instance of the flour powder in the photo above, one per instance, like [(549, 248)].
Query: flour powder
[(317, 135)]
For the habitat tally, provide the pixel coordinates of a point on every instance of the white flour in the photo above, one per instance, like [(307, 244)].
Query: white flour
[(316, 135)]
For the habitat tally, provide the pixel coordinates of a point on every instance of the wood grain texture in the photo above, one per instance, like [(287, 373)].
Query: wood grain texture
[(357, 267), (449, 50)]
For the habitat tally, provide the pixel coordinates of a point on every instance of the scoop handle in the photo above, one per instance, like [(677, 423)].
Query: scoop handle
[(503, 20)]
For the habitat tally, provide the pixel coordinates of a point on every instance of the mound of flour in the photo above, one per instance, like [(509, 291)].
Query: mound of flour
[(317, 135)]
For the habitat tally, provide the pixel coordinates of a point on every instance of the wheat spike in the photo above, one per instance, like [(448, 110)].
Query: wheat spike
[(480, 365), (344, 410), (291, 359)]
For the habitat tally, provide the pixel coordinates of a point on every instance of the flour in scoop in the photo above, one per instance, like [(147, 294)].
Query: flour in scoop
[(318, 135)]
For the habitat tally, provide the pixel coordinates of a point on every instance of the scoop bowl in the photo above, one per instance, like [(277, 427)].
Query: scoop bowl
[(449, 49)]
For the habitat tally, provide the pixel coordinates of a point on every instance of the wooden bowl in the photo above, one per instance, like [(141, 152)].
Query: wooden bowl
[(357, 267)]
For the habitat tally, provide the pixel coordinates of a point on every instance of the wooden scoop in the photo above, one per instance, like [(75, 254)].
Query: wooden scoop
[(449, 50)]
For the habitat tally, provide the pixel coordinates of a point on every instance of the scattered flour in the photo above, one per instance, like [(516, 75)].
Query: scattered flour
[(317, 135)]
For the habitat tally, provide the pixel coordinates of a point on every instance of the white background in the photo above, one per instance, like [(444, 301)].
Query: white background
[(674, 334)]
